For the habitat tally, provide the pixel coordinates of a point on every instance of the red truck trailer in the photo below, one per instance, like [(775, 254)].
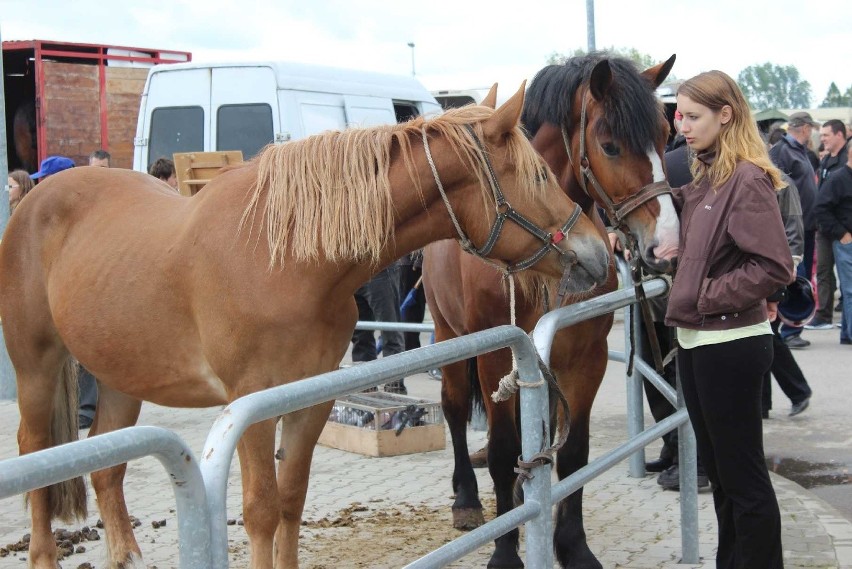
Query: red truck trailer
[(71, 99)]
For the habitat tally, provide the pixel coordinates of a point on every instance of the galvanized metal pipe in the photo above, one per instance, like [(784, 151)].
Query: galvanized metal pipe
[(49, 466), (473, 540), (270, 403)]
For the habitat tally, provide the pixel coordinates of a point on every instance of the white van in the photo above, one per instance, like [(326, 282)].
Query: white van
[(192, 107)]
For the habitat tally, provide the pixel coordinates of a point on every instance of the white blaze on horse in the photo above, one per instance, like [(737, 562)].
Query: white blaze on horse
[(194, 302)]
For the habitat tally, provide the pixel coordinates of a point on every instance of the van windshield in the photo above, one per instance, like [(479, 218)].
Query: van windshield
[(176, 129), (244, 127)]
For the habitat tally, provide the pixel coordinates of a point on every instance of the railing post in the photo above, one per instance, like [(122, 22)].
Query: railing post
[(535, 437), (633, 382)]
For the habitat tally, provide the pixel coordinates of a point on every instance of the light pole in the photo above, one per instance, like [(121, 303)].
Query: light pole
[(590, 24), (411, 45)]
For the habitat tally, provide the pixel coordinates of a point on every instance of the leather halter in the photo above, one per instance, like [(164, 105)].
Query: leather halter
[(506, 212), (617, 212)]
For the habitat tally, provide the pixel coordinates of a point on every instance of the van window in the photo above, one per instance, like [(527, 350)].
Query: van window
[(405, 111), (244, 127), (454, 101), (176, 129)]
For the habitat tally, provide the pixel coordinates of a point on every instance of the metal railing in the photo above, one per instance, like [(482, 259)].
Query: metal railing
[(43, 468), (245, 411), (200, 488)]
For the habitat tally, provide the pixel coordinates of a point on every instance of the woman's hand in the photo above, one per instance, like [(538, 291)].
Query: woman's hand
[(772, 311)]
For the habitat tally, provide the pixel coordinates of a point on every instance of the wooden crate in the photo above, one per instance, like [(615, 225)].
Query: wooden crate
[(195, 169), (353, 425)]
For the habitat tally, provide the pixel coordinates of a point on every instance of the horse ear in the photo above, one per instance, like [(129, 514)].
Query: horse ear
[(601, 80), (506, 117), (657, 74), (490, 99)]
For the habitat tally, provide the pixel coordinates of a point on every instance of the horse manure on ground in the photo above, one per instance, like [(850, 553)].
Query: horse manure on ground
[(66, 540)]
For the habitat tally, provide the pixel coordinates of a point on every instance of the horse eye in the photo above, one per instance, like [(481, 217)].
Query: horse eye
[(610, 149)]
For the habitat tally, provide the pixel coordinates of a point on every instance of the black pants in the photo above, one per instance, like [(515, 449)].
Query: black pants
[(721, 386), (87, 387), (408, 275), (378, 301), (787, 373)]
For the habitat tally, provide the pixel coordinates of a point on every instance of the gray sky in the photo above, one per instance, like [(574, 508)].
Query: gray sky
[(460, 44)]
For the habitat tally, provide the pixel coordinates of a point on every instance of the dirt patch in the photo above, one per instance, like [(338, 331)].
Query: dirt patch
[(377, 535)]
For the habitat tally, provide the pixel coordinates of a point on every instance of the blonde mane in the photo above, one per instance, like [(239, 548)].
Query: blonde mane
[(329, 195)]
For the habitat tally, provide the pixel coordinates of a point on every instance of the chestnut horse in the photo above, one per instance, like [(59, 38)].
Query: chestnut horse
[(194, 302), (598, 125)]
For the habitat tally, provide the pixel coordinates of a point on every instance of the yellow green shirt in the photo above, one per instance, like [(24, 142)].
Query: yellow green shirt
[(688, 338)]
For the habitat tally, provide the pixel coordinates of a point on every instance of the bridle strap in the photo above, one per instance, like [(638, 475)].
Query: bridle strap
[(504, 212), (617, 212)]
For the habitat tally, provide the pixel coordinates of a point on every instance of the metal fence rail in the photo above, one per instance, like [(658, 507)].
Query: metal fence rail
[(245, 411), (43, 468)]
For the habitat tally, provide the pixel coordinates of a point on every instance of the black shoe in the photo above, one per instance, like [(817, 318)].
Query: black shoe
[(796, 343), (845, 341), (764, 414), (670, 478), (84, 422), (658, 465), (800, 406)]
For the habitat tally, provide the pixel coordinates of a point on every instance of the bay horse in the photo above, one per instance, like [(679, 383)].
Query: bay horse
[(194, 302), (596, 121)]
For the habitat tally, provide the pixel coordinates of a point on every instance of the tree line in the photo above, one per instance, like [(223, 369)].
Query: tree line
[(766, 85)]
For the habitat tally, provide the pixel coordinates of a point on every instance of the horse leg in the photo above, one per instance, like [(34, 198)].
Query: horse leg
[(299, 436), (256, 450), (48, 402), (115, 410), (504, 447), (580, 384), (455, 401)]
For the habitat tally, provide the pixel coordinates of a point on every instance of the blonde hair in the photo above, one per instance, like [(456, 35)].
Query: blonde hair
[(738, 140), (330, 194)]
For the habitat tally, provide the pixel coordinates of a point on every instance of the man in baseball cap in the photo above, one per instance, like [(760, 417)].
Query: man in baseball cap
[(52, 165), (801, 118)]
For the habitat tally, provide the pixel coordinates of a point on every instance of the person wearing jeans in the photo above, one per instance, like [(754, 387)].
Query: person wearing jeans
[(834, 214)]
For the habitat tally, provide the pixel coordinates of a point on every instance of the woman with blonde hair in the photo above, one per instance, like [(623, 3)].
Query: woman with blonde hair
[(734, 259), (19, 185)]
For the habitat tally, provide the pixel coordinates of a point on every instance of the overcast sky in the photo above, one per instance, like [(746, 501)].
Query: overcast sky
[(459, 44)]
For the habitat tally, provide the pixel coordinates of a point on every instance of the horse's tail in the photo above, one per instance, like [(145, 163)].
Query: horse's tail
[(68, 499)]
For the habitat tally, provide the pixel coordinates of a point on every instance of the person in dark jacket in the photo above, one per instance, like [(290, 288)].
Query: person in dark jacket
[(834, 213), (832, 135), (790, 155), (733, 256), (785, 368)]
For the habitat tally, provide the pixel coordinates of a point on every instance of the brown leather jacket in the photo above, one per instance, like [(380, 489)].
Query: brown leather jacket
[(733, 251)]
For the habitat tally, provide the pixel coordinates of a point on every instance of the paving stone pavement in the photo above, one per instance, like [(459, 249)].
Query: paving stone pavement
[(630, 523)]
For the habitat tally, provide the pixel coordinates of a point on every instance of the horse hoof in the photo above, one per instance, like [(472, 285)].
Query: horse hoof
[(467, 518), (510, 564)]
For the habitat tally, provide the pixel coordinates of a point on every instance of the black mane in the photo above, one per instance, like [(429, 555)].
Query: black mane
[(631, 108)]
